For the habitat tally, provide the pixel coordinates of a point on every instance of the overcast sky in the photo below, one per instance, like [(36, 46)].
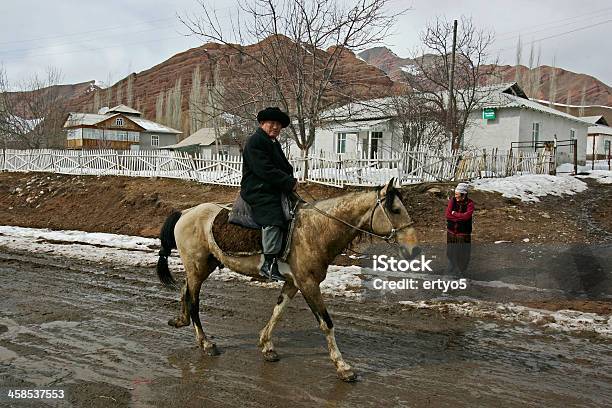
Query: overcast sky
[(106, 40)]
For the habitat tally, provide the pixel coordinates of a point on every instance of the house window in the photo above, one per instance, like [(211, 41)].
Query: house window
[(154, 140), (535, 133), (123, 136), (376, 145), (341, 143), (119, 122), (607, 146)]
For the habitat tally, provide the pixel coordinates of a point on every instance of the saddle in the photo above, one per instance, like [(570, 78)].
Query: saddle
[(236, 240)]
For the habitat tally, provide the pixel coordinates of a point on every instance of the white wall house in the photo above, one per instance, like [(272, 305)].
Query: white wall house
[(524, 125), (373, 131), (599, 139)]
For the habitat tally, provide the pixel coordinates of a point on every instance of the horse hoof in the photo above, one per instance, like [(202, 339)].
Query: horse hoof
[(211, 350), (347, 376), (177, 323), (270, 356)]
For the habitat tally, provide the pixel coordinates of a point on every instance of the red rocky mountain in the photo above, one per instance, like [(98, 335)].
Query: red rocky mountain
[(535, 82), (366, 80)]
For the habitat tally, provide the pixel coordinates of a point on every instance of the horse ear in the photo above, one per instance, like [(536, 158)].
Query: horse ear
[(390, 186), (398, 184)]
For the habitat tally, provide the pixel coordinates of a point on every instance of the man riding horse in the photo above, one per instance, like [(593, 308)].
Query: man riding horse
[(266, 176)]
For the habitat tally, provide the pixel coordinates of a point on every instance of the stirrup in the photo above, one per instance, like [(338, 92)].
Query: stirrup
[(269, 270)]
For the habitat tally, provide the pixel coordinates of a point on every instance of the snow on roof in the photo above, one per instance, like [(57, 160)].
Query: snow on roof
[(124, 109), (151, 126), (85, 119), (76, 119), (203, 137)]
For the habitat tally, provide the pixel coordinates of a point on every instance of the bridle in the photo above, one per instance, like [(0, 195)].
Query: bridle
[(390, 238)]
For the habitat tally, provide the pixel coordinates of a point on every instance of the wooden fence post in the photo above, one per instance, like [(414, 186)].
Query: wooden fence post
[(575, 143)]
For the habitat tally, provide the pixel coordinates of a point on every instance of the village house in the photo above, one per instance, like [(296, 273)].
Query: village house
[(599, 139), (505, 119), (204, 142), (120, 128)]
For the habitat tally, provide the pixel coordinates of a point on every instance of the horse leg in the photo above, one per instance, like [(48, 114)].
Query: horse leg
[(183, 319), (265, 335), (312, 295), (195, 276)]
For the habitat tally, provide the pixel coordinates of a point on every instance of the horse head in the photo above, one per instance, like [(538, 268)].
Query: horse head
[(390, 218)]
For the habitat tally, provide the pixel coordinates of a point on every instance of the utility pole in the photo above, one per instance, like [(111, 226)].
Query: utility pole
[(451, 99)]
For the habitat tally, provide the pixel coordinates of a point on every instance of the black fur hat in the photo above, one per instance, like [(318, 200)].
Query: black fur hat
[(273, 113)]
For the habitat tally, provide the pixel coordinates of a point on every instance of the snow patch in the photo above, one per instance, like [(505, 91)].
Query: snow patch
[(602, 176), (142, 252), (410, 69), (561, 320), (529, 187)]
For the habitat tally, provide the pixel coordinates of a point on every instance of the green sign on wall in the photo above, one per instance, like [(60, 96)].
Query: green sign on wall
[(488, 113)]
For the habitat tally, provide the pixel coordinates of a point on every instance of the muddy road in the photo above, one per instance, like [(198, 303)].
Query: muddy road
[(98, 331)]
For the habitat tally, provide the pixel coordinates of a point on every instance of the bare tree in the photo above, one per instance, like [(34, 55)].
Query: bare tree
[(196, 102), (417, 122), (119, 94), (159, 107), (32, 113), (552, 90), (130, 90), (474, 68), (296, 65), (535, 80), (519, 57), (173, 109), (582, 100)]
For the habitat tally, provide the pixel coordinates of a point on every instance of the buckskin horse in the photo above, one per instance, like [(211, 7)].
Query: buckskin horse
[(322, 230)]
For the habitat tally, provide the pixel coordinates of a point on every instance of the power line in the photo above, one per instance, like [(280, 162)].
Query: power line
[(530, 32), (559, 34), (559, 21), (81, 41), (86, 32), (103, 48)]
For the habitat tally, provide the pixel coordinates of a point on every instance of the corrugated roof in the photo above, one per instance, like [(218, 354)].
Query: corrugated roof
[(504, 100), (506, 95), (596, 120), (203, 137), (600, 130)]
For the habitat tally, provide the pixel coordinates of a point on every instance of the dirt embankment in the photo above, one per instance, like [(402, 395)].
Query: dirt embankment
[(138, 206)]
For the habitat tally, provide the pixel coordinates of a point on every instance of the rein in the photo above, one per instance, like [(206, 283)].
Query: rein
[(391, 238)]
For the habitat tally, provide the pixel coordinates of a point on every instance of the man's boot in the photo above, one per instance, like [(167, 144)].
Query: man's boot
[(269, 269)]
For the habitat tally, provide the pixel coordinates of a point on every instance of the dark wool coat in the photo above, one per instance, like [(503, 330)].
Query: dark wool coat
[(266, 174), (459, 223)]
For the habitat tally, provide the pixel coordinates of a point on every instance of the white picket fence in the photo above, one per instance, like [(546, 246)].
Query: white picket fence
[(408, 166)]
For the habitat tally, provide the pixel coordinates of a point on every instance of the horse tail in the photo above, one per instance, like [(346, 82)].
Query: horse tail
[(168, 243)]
